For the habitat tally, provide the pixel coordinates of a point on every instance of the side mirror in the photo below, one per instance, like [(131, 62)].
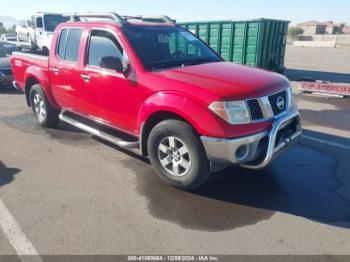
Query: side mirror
[(112, 63)]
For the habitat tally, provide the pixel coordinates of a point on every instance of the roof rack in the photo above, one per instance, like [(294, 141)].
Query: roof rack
[(121, 19), (112, 16), (154, 19)]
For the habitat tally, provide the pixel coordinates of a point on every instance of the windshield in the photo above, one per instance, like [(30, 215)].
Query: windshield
[(52, 21), (166, 47)]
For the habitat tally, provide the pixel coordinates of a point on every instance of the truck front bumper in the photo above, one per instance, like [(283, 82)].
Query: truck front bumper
[(254, 151)]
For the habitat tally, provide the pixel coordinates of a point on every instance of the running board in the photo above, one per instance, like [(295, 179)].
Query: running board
[(98, 133)]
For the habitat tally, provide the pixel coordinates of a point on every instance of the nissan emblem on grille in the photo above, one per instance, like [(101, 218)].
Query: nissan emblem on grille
[(280, 103)]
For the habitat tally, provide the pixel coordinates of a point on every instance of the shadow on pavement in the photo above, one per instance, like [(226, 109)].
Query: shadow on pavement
[(64, 133), (302, 182), (9, 91), (308, 75), (7, 174)]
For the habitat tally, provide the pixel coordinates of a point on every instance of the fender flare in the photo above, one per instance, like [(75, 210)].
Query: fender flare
[(37, 74), (182, 105)]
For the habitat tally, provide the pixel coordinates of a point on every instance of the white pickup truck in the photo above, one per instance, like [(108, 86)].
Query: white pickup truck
[(37, 32)]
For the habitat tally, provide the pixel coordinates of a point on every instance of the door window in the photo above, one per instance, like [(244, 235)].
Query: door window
[(39, 22), (62, 43), (69, 43), (103, 44)]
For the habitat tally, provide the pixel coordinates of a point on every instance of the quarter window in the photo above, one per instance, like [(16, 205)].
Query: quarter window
[(69, 43), (103, 44)]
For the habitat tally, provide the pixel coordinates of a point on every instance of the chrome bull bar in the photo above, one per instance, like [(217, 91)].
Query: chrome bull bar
[(225, 152), (272, 148)]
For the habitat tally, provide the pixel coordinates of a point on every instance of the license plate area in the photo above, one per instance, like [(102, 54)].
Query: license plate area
[(286, 132)]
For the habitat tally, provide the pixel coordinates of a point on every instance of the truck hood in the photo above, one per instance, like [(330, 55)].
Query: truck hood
[(228, 80)]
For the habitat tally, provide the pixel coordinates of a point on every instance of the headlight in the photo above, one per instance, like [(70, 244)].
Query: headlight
[(234, 112)]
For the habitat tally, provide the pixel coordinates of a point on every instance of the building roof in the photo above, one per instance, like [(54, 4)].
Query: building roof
[(314, 23), (309, 23)]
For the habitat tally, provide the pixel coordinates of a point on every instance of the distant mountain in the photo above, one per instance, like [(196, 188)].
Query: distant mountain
[(8, 21)]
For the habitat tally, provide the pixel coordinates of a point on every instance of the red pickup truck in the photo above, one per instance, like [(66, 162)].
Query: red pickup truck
[(149, 85)]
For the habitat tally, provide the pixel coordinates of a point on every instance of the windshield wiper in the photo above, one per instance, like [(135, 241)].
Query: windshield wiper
[(156, 66), (182, 63), (198, 61)]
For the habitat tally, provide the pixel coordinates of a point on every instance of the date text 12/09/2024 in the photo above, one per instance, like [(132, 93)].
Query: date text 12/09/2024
[(173, 258)]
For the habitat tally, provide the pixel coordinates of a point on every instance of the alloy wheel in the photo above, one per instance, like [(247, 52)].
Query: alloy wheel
[(174, 156)]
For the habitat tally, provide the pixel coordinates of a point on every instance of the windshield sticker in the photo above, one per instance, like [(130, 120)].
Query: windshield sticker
[(189, 36), (163, 38)]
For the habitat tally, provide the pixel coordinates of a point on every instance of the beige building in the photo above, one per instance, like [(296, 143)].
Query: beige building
[(346, 30), (317, 28), (312, 28)]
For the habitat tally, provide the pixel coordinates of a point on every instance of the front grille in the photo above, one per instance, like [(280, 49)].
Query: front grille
[(6, 71), (255, 110), (278, 102)]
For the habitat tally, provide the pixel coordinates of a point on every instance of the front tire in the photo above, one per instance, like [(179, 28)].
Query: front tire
[(44, 113), (177, 154)]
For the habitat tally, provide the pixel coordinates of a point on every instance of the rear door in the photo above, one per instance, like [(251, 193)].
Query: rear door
[(65, 69)]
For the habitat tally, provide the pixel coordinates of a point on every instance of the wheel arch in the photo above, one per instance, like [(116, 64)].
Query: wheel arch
[(175, 105), (30, 82), (152, 121), (34, 76)]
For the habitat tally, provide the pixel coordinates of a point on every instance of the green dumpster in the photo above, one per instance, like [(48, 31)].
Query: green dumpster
[(260, 43)]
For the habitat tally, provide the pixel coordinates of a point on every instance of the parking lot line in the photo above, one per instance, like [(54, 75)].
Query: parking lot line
[(326, 142), (15, 235)]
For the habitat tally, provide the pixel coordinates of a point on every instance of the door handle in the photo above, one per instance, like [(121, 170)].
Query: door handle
[(55, 70), (85, 77)]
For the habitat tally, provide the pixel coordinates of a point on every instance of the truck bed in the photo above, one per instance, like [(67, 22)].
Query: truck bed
[(22, 61)]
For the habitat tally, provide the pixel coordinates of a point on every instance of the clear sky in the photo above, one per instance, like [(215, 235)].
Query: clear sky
[(189, 10)]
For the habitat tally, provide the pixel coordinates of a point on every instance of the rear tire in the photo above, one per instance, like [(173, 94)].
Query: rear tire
[(44, 113), (177, 154)]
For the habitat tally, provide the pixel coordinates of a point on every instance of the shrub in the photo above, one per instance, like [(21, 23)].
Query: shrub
[(293, 32)]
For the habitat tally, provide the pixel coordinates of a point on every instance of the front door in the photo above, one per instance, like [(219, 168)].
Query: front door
[(112, 98)]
